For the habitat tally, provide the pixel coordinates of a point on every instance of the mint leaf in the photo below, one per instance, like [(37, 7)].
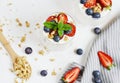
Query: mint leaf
[(50, 25), (60, 33), (67, 27), (60, 25)]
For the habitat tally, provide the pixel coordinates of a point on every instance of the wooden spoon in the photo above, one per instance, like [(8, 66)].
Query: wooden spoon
[(21, 67)]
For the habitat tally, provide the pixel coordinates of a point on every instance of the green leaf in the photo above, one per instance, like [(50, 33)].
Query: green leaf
[(50, 25), (60, 33), (67, 27), (60, 25)]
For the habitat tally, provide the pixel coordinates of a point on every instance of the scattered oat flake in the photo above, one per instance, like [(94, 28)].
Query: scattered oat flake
[(53, 73), (16, 81), (46, 48), (11, 39), (11, 70), (30, 32), (6, 54), (41, 52), (19, 45), (36, 59), (27, 24), (52, 59), (8, 35), (35, 28), (60, 68), (9, 4), (23, 39), (18, 21), (38, 25)]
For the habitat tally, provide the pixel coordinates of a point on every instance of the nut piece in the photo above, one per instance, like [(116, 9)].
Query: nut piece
[(37, 25), (22, 68), (53, 73), (27, 24), (65, 38), (97, 8), (50, 36), (23, 39), (41, 52), (18, 21), (52, 59)]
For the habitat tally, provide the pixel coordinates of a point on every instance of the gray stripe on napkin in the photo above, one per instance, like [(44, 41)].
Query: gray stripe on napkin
[(109, 42)]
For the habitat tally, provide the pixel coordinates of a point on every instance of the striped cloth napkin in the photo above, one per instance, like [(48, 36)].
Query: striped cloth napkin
[(109, 42)]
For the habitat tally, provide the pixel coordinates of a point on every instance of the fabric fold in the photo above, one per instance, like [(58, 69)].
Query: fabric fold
[(109, 42)]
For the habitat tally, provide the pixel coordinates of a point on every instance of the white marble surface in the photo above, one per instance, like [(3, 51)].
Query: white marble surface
[(36, 11)]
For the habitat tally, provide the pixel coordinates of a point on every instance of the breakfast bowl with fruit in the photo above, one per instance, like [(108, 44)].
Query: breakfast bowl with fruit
[(96, 8), (92, 11), (59, 30)]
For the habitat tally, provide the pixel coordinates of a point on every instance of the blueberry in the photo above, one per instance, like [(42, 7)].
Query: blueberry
[(46, 29), (56, 38), (79, 51), (97, 80), (83, 1), (96, 73), (97, 30), (28, 50), (43, 73), (67, 32), (89, 11), (96, 15)]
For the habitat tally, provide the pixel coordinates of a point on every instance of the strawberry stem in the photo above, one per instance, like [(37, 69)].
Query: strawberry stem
[(109, 67)]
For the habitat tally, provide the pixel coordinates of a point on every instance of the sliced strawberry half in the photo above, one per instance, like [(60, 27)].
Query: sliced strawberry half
[(105, 59), (71, 75), (73, 31), (62, 17), (106, 3), (50, 18), (90, 3)]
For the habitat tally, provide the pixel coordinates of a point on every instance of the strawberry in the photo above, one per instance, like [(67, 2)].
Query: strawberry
[(105, 59), (90, 3), (106, 3), (50, 18), (72, 33), (71, 75), (63, 17)]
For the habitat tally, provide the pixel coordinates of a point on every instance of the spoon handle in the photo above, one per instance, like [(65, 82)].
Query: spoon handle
[(7, 46)]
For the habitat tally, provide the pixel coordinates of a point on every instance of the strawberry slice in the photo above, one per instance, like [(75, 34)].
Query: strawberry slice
[(71, 75), (106, 3), (63, 17), (72, 33), (90, 3), (105, 60), (50, 18)]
